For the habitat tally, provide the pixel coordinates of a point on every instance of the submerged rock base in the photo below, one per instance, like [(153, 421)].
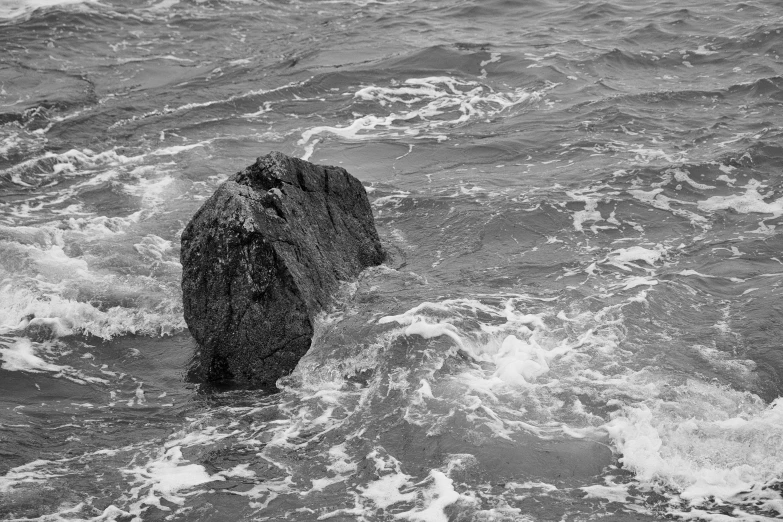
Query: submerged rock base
[(262, 257)]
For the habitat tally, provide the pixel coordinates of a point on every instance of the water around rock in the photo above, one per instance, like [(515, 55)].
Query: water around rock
[(584, 322), (262, 257)]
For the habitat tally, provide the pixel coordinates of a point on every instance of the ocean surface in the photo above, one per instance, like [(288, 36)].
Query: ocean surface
[(580, 318)]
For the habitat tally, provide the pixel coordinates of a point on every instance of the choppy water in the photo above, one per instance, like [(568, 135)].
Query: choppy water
[(581, 319)]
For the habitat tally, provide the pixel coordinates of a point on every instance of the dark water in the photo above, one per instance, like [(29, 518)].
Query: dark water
[(581, 318)]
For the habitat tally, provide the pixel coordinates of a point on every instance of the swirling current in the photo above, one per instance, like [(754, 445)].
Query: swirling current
[(580, 320)]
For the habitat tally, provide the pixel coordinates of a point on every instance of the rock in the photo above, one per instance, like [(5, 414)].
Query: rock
[(262, 257)]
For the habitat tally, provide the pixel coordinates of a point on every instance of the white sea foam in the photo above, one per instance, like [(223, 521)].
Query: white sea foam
[(752, 201), (341, 465), (657, 199), (15, 140), (154, 248), (422, 106), (589, 213), (14, 8), (391, 200), (543, 486), (200, 105), (624, 258), (700, 439), (526, 363), (436, 499), (522, 362), (683, 175), (70, 163), (51, 282), (431, 496), (633, 282), (163, 5), (704, 442), (522, 352), (22, 307), (493, 57), (101, 226), (611, 492), (88, 169), (35, 472), (703, 50), (167, 477), (21, 356), (648, 156), (385, 491)]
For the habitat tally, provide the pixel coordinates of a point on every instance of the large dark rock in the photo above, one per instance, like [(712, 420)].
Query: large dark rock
[(262, 257)]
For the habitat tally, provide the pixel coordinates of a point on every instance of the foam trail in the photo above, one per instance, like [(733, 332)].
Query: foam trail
[(425, 106), (14, 8), (752, 201), (21, 356)]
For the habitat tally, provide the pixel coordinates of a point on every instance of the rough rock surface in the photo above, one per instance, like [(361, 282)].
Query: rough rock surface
[(262, 257)]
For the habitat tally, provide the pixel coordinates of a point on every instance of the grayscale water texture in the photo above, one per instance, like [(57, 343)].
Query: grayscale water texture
[(581, 319)]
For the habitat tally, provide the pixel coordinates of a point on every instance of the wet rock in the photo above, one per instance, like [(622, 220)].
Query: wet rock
[(262, 257)]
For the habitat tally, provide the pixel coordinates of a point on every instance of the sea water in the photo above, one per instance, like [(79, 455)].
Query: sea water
[(580, 315)]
